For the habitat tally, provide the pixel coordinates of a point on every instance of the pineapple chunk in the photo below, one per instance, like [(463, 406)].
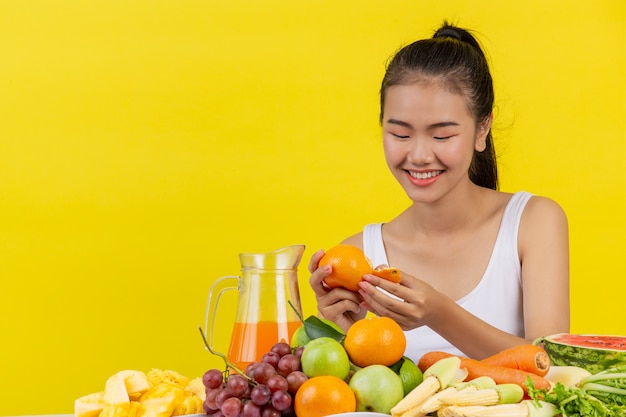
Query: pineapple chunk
[(197, 387), (89, 405), (159, 376), (161, 400)]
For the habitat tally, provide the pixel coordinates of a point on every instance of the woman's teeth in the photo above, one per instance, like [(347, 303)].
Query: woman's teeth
[(424, 175)]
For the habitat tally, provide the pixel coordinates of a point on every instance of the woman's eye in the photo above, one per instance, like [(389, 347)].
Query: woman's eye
[(442, 137), (400, 136)]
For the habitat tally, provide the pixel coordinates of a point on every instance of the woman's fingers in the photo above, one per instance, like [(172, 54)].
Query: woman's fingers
[(341, 306), (315, 259), (317, 280), (393, 300), (396, 289), (318, 274)]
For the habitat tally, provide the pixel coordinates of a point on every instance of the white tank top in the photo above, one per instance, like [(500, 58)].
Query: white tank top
[(496, 299)]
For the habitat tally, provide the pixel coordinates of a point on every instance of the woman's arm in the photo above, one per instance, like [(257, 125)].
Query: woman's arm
[(419, 304), (544, 254)]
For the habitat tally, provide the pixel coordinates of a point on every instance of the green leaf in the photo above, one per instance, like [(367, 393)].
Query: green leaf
[(314, 328)]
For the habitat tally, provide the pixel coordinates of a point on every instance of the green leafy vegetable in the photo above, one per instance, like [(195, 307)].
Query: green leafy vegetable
[(609, 386), (599, 395)]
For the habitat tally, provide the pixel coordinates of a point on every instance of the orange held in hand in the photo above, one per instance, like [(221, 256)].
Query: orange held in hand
[(322, 396), (375, 341), (349, 265)]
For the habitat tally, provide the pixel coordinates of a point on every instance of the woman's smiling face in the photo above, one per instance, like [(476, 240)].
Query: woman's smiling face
[(429, 138)]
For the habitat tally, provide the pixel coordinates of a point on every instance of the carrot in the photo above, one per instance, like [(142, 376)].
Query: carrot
[(475, 368), (526, 357)]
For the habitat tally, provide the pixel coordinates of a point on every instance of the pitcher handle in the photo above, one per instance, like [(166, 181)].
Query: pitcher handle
[(212, 307)]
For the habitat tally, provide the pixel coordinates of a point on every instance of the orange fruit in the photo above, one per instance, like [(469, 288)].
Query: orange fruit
[(324, 395), (349, 265), (375, 341)]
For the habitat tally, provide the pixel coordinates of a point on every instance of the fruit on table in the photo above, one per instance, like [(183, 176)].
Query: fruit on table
[(266, 388), (349, 265), (410, 375), (594, 353), (324, 395), (375, 341), (437, 378), (377, 388), (325, 356), (90, 405), (162, 393)]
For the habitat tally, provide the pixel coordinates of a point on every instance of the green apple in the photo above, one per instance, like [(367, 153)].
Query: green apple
[(325, 356), (377, 388), (299, 338)]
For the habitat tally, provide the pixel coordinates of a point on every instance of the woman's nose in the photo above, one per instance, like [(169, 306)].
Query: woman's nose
[(421, 151)]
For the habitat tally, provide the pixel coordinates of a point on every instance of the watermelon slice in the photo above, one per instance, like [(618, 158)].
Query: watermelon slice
[(594, 353)]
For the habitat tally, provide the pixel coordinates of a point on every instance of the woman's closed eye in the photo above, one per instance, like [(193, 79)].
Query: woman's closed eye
[(396, 135)]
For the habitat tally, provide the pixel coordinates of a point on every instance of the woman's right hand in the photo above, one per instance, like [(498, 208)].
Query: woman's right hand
[(336, 304)]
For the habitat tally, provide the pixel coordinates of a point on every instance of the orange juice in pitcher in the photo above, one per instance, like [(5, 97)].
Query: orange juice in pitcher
[(249, 340), (268, 306)]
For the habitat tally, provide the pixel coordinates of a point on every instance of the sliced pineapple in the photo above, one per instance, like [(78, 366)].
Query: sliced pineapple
[(159, 376), (197, 387), (161, 400), (191, 404), (89, 405), (130, 393)]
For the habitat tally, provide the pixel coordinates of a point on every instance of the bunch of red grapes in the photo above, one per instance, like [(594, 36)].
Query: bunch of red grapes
[(266, 390)]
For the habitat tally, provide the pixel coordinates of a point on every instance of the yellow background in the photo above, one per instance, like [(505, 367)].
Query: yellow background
[(145, 144)]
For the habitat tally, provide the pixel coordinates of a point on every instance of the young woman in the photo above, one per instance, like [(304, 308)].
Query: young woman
[(482, 270)]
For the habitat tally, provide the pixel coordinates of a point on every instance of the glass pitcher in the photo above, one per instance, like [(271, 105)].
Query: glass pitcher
[(268, 283)]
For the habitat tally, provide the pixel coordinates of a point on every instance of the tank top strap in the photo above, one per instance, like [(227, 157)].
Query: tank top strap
[(511, 218), (373, 245)]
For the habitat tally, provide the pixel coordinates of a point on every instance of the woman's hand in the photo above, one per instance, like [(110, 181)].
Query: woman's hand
[(411, 302), (338, 305)]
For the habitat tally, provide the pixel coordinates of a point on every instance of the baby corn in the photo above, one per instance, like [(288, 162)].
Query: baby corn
[(434, 403), (526, 408), (436, 378), (499, 394), (478, 383)]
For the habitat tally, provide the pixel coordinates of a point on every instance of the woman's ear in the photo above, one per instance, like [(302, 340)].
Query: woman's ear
[(483, 131)]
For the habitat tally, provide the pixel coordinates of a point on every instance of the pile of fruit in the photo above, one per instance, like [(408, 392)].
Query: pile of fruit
[(266, 388), (133, 393), (322, 371)]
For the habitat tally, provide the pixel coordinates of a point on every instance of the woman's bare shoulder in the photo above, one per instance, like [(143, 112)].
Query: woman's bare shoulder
[(541, 209), (354, 240), (543, 216)]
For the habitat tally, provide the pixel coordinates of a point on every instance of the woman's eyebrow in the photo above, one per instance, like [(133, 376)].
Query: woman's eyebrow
[(399, 123), (443, 124), (432, 126)]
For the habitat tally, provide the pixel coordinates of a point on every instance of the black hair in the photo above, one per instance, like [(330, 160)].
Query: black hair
[(453, 57)]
